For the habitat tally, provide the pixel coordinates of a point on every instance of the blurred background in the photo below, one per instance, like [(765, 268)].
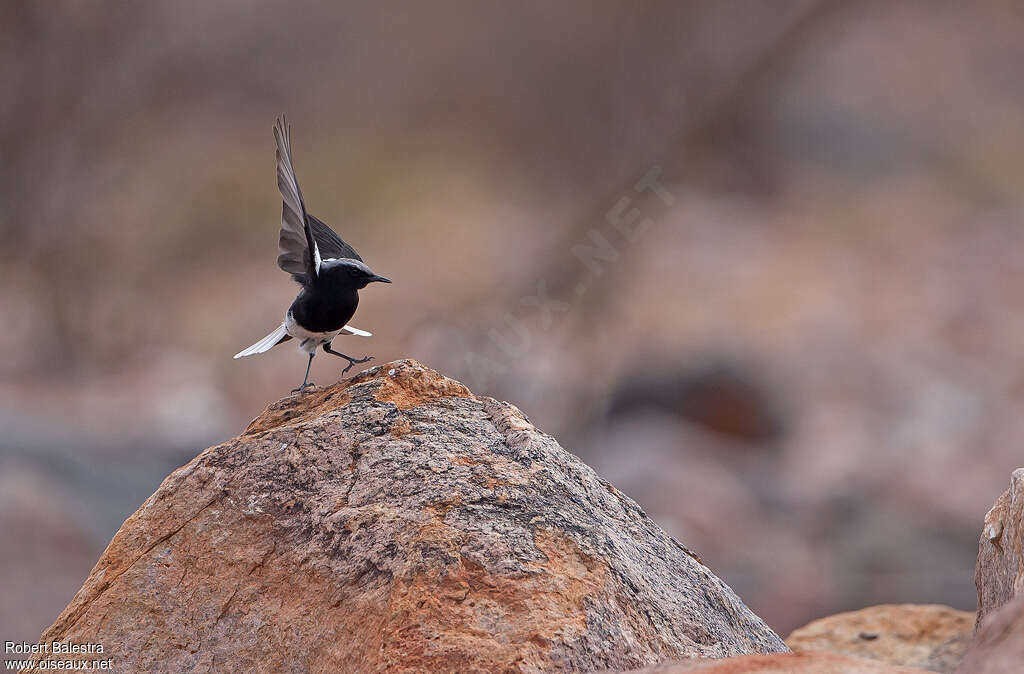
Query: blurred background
[(760, 264)]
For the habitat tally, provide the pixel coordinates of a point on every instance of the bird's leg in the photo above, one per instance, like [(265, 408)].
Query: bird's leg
[(305, 380), (351, 361)]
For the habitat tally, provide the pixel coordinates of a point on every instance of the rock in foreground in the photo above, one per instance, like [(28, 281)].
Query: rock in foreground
[(998, 646), (931, 637), (397, 522), (792, 663)]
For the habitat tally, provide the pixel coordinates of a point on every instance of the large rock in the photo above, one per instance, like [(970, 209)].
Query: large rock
[(792, 663), (932, 637), (999, 574), (998, 646), (397, 522)]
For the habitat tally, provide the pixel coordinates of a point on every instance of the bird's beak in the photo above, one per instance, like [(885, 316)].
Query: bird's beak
[(375, 277)]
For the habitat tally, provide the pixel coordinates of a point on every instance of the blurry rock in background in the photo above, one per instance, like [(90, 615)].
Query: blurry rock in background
[(61, 494), (839, 227), (719, 397), (45, 550), (931, 637)]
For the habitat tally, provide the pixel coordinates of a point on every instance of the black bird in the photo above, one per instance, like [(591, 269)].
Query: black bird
[(329, 270)]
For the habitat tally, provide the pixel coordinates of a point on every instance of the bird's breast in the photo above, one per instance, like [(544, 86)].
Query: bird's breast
[(322, 312)]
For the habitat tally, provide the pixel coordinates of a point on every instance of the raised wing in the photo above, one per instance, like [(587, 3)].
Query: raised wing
[(298, 250), (304, 240), (329, 243)]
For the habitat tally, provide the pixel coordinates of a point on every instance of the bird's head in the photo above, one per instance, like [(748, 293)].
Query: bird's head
[(351, 271)]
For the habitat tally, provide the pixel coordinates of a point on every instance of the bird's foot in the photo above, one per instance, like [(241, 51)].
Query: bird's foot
[(355, 361), (303, 387)]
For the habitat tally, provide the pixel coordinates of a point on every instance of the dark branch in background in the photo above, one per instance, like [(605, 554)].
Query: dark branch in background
[(719, 123)]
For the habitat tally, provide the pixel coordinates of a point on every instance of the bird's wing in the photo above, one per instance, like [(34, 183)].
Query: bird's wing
[(298, 249), (329, 243)]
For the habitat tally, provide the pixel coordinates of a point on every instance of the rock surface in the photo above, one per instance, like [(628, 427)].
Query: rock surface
[(998, 646), (999, 574), (931, 637), (793, 663), (395, 521)]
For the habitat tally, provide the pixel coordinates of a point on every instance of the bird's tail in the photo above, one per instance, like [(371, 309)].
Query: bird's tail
[(276, 337), (349, 330)]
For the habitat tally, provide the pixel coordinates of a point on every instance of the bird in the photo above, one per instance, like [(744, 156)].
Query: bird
[(329, 271)]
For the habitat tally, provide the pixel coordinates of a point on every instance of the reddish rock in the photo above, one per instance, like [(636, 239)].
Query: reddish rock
[(931, 637), (396, 522)]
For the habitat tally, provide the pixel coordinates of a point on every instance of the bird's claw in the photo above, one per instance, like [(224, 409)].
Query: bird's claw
[(303, 387), (355, 361)]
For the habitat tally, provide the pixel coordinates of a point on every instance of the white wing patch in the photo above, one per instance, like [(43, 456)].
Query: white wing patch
[(316, 257)]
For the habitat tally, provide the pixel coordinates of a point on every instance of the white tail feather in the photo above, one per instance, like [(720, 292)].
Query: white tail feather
[(264, 344), (349, 330)]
